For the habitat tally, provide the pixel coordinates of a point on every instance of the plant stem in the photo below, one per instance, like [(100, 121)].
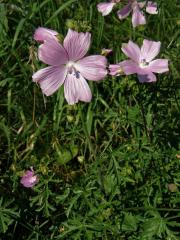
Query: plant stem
[(91, 147), (151, 208)]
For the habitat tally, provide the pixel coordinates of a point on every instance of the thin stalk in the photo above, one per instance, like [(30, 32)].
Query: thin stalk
[(144, 117), (86, 133), (150, 208)]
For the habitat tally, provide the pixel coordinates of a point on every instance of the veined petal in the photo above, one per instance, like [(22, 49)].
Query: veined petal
[(129, 67), (151, 8), (150, 50), (125, 11), (115, 69), (159, 66), (150, 77), (137, 17), (77, 44), (52, 53), (92, 67), (76, 89), (105, 8), (131, 50), (50, 79), (42, 34)]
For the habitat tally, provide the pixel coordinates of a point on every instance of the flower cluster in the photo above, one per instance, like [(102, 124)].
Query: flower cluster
[(68, 64), (133, 6)]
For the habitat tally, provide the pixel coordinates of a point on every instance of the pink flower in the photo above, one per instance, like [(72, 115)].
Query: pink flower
[(105, 8), (42, 34), (133, 6), (142, 62), (29, 179), (151, 8), (69, 66)]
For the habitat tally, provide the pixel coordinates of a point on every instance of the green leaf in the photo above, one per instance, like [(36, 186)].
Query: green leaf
[(18, 29), (130, 222), (66, 155), (7, 215)]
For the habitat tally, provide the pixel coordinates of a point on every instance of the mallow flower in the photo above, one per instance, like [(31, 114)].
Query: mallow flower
[(141, 61), (151, 7), (69, 66), (106, 7), (133, 6), (29, 179), (136, 7)]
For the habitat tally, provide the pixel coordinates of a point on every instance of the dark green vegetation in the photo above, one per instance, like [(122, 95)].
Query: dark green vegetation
[(108, 169)]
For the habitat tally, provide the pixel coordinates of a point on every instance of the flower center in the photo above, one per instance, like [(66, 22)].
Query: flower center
[(143, 63), (71, 66)]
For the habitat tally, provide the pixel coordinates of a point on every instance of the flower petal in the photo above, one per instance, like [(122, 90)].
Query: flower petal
[(105, 8), (150, 50), (29, 182), (77, 44), (42, 34), (150, 77), (125, 11), (151, 8), (129, 67), (137, 17), (76, 89), (92, 67), (131, 50), (29, 179), (52, 53), (159, 66), (50, 79), (115, 69)]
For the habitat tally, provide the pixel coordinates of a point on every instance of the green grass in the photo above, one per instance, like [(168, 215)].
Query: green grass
[(108, 169)]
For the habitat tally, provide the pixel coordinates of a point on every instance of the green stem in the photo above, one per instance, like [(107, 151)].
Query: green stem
[(150, 208), (143, 116), (91, 147)]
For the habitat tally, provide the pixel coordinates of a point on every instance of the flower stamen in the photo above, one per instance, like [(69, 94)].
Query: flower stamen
[(72, 70), (143, 63)]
